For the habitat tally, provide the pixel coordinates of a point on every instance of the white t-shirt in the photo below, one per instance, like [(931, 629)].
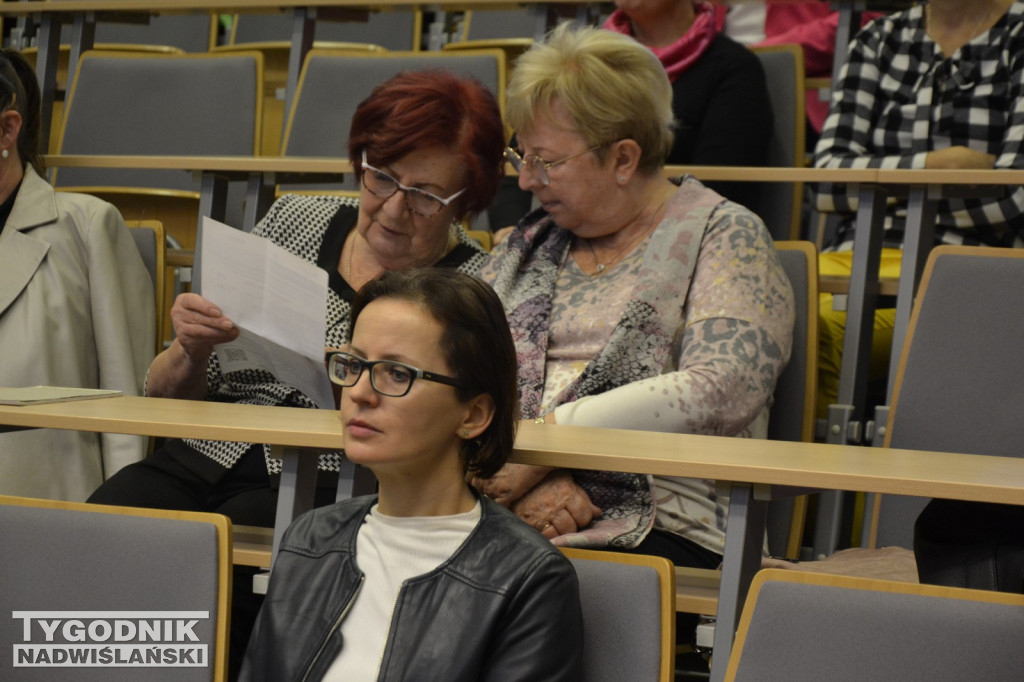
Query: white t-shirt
[(389, 551)]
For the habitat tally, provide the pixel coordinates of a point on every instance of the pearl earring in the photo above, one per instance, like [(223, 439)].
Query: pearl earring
[(622, 179), (4, 153)]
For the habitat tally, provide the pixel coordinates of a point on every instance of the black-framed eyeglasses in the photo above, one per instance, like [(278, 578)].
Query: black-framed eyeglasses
[(387, 377), (419, 201), (538, 165)]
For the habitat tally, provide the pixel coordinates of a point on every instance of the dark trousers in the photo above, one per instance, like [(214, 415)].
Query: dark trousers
[(173, 478), (169, 479)]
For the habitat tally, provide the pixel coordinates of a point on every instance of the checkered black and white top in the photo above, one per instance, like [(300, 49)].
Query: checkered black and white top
[(898, 98), (314, 228)]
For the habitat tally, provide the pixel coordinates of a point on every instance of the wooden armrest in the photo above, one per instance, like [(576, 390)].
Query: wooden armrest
[(697, 590), (252, 546), (821, 83), (180, 258), (840, 284)]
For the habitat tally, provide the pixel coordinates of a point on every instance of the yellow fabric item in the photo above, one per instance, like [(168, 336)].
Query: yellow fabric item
[(832, 327)]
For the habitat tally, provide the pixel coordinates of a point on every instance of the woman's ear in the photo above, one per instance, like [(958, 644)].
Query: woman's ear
[(477, 417), (625, 155), (10, 127)]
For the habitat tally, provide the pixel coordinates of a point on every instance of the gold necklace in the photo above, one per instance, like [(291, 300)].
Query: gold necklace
[(600, 267)]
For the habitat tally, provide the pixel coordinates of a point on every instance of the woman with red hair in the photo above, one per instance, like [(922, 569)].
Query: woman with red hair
[(427, 148)]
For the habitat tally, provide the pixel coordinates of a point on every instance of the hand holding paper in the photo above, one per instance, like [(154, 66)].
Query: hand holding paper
[(199, 326), (276, 299)]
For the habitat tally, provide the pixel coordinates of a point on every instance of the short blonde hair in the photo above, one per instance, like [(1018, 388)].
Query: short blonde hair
[(613, 87)]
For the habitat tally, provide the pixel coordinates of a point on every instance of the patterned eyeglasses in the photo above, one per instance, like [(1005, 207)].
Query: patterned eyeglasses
[(419, 201)]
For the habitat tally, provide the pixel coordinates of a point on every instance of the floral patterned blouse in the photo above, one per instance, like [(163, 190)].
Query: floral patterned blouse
[(688, 334)]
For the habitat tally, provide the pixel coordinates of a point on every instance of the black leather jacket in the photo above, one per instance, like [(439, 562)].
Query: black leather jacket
[(505, 606)]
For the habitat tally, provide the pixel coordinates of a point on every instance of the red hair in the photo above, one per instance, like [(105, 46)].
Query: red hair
[(419, 109)]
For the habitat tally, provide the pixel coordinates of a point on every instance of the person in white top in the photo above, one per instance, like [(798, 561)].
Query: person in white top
[(429, 580)]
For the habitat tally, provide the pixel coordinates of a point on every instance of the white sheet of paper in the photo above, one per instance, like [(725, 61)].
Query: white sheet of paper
[(277, 300)]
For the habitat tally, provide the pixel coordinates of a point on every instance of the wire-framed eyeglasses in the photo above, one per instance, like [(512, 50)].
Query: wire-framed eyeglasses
[(387, 377), (538, 165), (419, 201)]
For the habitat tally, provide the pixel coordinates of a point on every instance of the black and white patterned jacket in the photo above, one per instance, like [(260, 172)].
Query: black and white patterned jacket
[(899, 97), (313, 228)]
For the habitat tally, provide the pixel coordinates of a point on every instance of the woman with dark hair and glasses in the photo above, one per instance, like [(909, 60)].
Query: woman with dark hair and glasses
[(636, 301), (428, 580), (76, 305), (427, 146)]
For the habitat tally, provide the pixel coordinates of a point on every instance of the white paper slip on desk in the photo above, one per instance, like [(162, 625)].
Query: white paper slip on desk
[(36, 395)]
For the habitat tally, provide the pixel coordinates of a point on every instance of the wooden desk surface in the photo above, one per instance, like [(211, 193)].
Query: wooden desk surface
[(775, 174), (239, 164), (231, 6), (812, 465), (324, 165), (827, 284), (908, 176), (900, 176), (840, 284), (288, 426), (168, 6)]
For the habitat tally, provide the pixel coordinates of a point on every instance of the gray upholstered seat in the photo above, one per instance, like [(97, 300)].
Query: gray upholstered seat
[(780, 203), (272, 34), (960, 381), (194, 32), (392, 30), (792, 412), (163, 105), (334, 82), (628, 615), (149, 238), (70, 559), (167, 105), (496, 24), (799, 625)]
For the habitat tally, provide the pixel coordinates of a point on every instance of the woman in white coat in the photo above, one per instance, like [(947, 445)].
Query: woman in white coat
[(76, 305)]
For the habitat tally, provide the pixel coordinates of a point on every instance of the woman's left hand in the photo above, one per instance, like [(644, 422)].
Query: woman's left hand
[(511, 483), (556, 506)]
